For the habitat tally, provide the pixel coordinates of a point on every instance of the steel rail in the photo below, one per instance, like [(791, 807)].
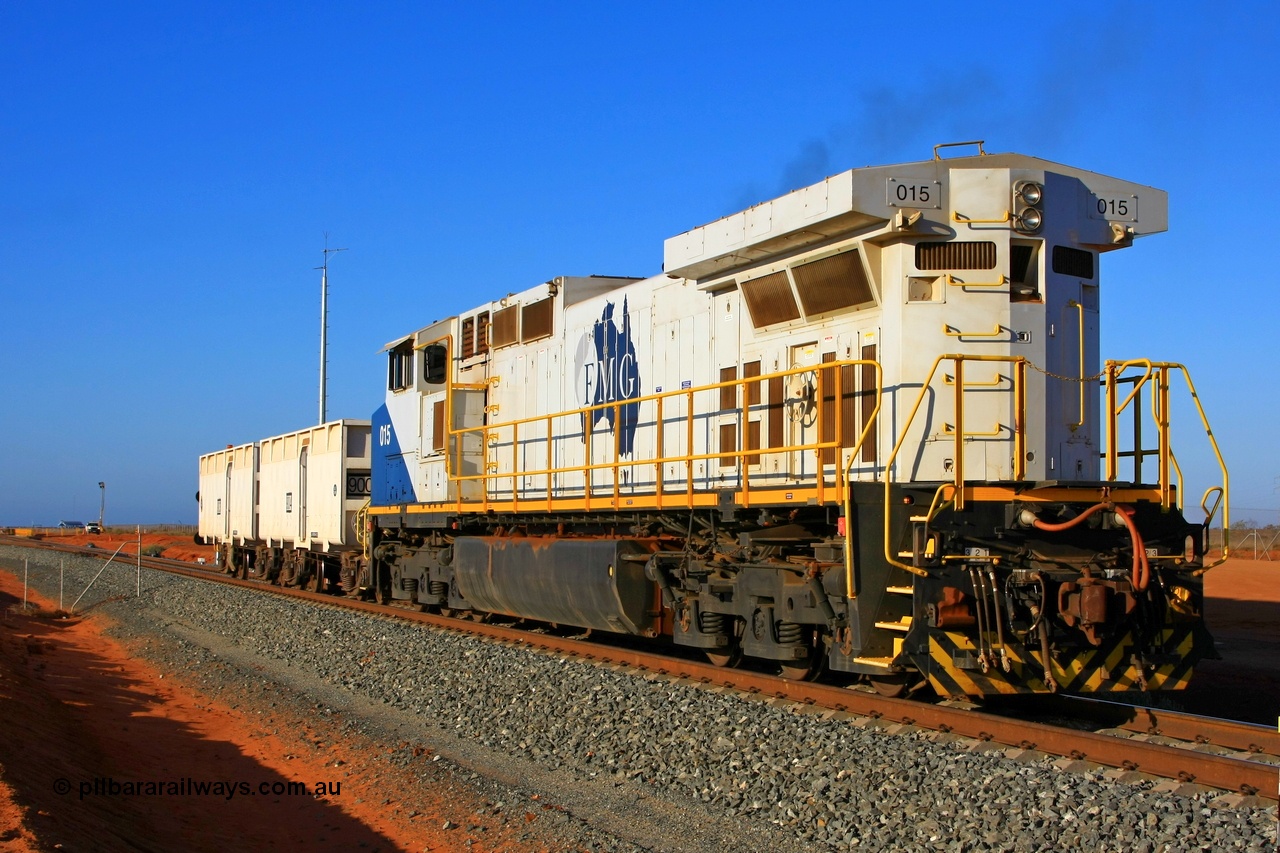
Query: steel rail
[(1177, 725), (1229, 773)]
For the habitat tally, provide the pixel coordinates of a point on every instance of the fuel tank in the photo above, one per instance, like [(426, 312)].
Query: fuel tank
[(592, 583)]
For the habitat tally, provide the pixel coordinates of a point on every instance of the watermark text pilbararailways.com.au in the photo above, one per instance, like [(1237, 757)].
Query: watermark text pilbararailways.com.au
[(227, 789)]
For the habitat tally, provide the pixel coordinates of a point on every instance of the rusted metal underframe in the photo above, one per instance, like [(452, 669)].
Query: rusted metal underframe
[(1170, 762)]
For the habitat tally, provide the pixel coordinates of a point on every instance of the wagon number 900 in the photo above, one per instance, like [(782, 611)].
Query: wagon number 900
[(913, 193)]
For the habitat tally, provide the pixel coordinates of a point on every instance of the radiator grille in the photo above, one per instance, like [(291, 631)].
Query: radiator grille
[(468, 337), (832, 283), (536, 320), (770, 300), (506, 326), (437, 425), (956, 255)]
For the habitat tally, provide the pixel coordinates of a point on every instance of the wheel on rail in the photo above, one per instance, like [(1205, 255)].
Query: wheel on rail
[(810, 667), (890, 686), (728, 659), (803, 670)]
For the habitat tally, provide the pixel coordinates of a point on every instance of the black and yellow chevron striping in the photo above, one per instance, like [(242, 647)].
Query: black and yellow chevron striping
[(1107, 668)]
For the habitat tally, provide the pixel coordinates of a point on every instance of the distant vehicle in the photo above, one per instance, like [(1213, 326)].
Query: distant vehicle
[(71, 525), (93, 527)]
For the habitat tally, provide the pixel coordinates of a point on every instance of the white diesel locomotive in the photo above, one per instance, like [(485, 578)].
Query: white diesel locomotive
[(864, 427)]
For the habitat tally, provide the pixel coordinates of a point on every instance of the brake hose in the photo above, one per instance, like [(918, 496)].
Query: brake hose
[(1141, 567)]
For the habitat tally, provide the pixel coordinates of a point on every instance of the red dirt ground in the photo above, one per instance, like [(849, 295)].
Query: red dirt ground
[(175, 547), (77, 707), (1242, 610)]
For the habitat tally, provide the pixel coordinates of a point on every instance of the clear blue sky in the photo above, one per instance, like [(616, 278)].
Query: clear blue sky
[(168, 172)]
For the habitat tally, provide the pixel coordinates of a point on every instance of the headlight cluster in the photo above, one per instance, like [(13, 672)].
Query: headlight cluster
[(1027, 196)]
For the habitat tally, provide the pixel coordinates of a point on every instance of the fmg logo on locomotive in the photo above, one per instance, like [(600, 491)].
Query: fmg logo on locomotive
[(607, 371)]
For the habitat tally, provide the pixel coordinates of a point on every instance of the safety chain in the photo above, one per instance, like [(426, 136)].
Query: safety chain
[(1094, 378)]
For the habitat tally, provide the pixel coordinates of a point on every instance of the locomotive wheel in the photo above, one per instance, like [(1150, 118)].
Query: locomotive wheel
[(805, 670), (890, 686), (728, 659)]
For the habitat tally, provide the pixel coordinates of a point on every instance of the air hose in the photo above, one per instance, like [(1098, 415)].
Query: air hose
[(1141, 567)]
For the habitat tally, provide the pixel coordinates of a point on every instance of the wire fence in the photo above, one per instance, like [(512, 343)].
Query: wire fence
[(1255, 533)]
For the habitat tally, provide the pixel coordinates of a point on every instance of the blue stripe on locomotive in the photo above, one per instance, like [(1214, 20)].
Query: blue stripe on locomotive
[(392, 482)]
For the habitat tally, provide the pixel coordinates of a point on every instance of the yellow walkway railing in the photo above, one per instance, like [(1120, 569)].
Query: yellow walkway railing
[(1159, 372), (958, 491), (816, 395), (666, 437)]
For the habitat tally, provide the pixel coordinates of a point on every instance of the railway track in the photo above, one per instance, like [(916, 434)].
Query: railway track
[(1228, 755)]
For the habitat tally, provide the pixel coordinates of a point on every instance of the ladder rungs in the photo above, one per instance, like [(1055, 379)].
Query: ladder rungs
[(899, 590), (883, 663), (903, 554), (919, 518), (903, 625)]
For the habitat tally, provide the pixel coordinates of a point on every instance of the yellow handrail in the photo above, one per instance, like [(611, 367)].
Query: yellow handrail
[(1137, 386), (958, 436), (849, 590), (1000, 282), (1204, 501), (1160, 412), (1080, 328), (509, 435), (952, 332), (957, 216), (948, 429), (948, 379)]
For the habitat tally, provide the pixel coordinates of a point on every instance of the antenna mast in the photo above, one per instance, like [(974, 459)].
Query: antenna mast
[(324, 327)]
